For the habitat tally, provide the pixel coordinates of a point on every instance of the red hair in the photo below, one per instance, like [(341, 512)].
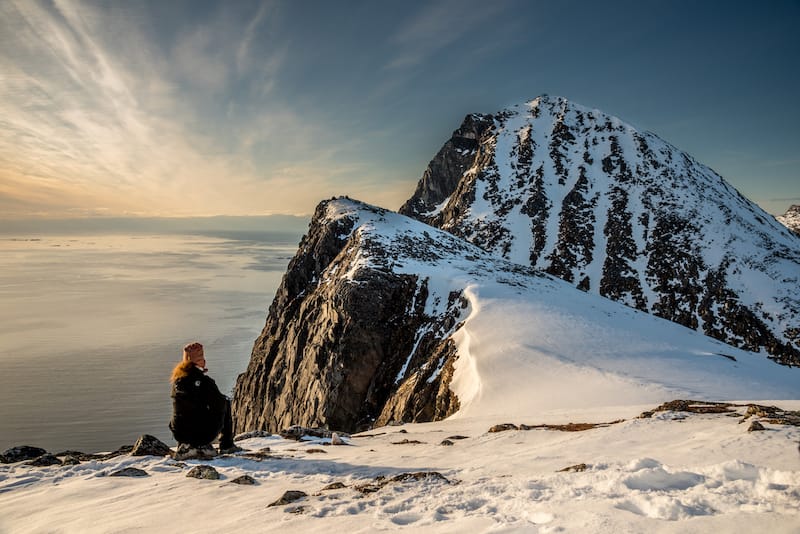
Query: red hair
[(181, 370)]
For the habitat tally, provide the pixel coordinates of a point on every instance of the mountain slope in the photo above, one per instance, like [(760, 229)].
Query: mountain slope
[(621, 214), (382, 318), (791, 219)]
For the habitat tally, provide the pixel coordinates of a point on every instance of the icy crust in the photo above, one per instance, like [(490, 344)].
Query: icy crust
[(529, 341), (623, 214)]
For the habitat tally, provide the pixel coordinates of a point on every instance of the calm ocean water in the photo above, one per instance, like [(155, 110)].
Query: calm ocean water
[(91, 326)]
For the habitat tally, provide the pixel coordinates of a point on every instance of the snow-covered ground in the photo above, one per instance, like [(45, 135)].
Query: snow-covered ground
[(701, 473), (561, 357)]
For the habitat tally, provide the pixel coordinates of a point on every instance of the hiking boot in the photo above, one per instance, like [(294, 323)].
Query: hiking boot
[(230, 449), (189, 452), (184, 452)]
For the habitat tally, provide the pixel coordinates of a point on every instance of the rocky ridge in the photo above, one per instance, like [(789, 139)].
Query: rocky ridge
[(358, 334), (791, 219), (584, 196)]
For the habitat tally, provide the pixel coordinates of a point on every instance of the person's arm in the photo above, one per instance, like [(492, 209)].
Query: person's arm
[(215, 400)]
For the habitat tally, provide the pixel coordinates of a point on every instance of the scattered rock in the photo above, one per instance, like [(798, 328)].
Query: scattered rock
[(20, 454), (336, 440), (381, 481), (289, 497), (577, 468), (125, 449), (244, 480), (504, 427), (205, 472), (252, 434), (148, 445), (570, 427), (458, 437), (334, 486), (773, 415), (446, 443), (402, 431), (316, 451), (691, 406), (755, 426), (297, 432), (76, 454), (44, 460), (420, 475), (407, 442), (129, 472)]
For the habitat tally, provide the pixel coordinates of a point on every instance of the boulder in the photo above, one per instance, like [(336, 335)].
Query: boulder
[(148, 445), (289, 497), (205, 472), (244, 480), (44, 460), (20, 454), (129, 472), (503, 427)]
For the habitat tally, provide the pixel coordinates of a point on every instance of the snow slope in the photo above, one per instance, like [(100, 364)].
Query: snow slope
[(532, 349), (704, 473), (531, 340)]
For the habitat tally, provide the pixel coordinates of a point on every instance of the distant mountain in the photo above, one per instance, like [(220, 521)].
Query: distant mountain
[(584, 196), (382, 318), (791, 219)]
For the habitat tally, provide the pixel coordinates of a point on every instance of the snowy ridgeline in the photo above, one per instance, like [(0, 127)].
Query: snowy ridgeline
[(674, 471), (529, 341)]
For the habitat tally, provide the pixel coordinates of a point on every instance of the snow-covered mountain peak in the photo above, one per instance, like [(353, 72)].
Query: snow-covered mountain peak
[(791, 219), (584, 196)]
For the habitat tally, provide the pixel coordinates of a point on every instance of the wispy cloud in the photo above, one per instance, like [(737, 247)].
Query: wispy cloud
[(97, 113), (439, 25)]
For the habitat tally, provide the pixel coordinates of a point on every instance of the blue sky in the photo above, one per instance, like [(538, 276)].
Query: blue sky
[(251, 108)]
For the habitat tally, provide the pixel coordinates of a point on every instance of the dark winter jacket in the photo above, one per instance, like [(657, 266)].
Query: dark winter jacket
[(198, 408)]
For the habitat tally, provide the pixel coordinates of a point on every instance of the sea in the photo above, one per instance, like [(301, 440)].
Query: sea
[(92, 325)]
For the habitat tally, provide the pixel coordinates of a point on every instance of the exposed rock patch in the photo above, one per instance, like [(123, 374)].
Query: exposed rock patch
[(289, 497), (205, 472), (244, 480), (44, 460), (129, 472), (148, 445), (20, 454)]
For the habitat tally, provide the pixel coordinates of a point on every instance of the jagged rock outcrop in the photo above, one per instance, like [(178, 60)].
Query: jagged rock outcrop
[(355, 336), (790, 219), (623, 214)]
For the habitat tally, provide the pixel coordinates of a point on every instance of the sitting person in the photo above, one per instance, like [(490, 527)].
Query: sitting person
[(200, 412)]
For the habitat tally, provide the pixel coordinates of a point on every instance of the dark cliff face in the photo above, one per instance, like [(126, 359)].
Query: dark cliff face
[(350, 343), (623, 214)]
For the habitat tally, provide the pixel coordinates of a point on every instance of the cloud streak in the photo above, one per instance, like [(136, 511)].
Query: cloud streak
[(95, 113), (441, 24)]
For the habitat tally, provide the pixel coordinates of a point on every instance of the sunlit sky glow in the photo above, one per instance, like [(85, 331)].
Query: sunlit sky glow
[(250, 108)]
